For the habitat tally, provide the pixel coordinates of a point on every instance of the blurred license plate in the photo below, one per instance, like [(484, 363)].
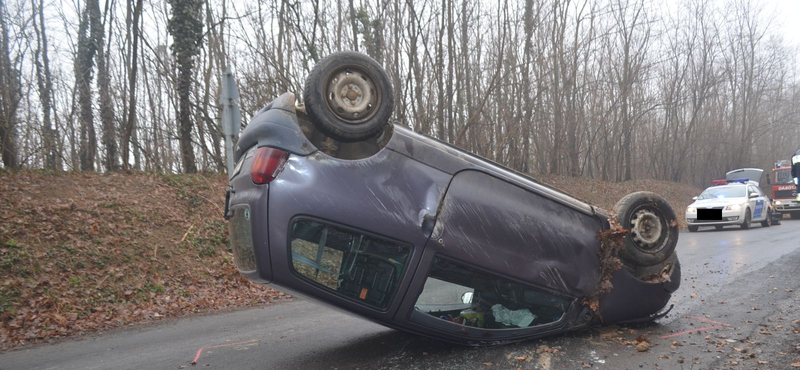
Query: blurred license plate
[(242, 239), (709, 214)]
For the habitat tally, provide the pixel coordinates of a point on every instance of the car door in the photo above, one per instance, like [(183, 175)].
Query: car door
[(528, 255), (757, 204)]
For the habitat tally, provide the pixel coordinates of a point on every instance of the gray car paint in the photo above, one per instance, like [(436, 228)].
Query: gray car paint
[(417, 187)]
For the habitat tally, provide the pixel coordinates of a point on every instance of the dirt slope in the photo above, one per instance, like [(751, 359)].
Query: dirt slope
[(86, 252), (606, 194)]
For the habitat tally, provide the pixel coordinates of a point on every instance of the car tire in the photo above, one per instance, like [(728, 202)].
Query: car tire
[(795, 215), (719, 227), (767, 221), (652, 228), (693, 229), (747, 220), (348, 96)]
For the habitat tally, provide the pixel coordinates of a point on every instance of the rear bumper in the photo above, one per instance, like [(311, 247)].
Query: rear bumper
[(248, 225)]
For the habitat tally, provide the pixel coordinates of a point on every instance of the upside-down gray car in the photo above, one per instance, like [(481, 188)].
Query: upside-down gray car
[(331, 202)]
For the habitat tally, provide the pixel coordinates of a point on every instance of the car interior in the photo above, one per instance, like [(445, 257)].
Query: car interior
[(354, 265), (485, 300)]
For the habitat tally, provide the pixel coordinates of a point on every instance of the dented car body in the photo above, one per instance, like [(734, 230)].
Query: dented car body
[(418, 235)]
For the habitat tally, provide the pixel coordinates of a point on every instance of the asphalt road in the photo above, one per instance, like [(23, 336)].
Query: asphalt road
[(739, 295)]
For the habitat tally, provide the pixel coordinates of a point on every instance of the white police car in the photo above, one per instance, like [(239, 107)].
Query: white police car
[(730, 202)]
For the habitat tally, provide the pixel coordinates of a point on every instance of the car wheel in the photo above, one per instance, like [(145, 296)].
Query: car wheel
[(747, 220), (348, 96), (767, 221), (652, 226), (693, 228), (719, 227), (795, 215)]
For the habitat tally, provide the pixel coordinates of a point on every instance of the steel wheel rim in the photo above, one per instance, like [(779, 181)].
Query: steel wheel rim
[(648, 229), (351, 94)]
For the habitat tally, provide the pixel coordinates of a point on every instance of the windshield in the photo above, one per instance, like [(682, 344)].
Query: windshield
[(783, 177), (723, 192)]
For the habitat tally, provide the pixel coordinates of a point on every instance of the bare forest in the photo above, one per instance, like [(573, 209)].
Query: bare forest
[(608, 89)]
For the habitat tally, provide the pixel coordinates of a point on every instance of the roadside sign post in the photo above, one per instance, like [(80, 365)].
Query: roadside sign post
[(231, 116)]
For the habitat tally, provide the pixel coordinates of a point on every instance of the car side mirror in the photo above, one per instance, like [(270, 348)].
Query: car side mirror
[(466, 298), (753, 195), (694, 198)]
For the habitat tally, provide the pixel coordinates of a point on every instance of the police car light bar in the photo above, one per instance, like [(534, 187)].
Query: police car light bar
[(743, 181), (718, 182)]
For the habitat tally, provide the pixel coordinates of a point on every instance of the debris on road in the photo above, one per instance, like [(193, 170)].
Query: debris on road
[(642, 344)]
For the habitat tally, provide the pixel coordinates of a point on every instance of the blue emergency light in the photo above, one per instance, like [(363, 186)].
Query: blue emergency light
[(743, 181)]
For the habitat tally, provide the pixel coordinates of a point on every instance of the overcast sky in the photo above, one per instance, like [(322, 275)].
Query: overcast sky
[(788, 19)]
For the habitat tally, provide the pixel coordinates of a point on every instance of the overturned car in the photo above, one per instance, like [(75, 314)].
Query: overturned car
[(329, 201)]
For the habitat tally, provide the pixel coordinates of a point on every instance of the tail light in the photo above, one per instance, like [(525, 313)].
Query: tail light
[(267, 164)]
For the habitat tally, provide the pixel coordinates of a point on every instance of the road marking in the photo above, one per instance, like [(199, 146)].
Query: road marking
[(719, 325), (706, 320), (200, 351)]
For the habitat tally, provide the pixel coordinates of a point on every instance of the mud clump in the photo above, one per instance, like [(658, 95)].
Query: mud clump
[(611, 242)]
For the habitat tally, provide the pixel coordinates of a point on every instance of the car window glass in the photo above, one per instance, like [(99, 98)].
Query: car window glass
[(466, 296), (354, 265), (723, 192)]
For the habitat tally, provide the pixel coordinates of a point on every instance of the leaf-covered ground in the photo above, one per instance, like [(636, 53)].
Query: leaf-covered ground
[(83, 252), (606, 194)]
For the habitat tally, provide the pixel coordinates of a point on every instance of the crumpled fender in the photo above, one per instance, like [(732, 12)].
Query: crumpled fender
[(631, 297)]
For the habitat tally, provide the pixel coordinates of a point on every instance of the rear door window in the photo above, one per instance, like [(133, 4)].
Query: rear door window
[(355, 265), (463, 295)]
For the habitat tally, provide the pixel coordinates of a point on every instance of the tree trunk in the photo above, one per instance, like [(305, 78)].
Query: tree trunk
[(106, 104), (45, 86), (133, 68), (89, 30), (186, 28)]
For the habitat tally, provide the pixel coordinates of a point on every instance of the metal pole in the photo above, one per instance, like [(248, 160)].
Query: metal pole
[(231, 116)]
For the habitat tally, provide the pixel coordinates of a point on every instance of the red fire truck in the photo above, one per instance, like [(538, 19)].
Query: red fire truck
[(784, 192)]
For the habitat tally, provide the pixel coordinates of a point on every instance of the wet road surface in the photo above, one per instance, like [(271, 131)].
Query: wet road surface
[(735, 309)]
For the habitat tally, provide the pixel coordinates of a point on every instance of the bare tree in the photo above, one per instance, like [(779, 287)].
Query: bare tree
[(186, 28), (10, 94)]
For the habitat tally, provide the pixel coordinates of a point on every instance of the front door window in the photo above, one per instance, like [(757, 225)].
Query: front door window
[(466, 296)]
